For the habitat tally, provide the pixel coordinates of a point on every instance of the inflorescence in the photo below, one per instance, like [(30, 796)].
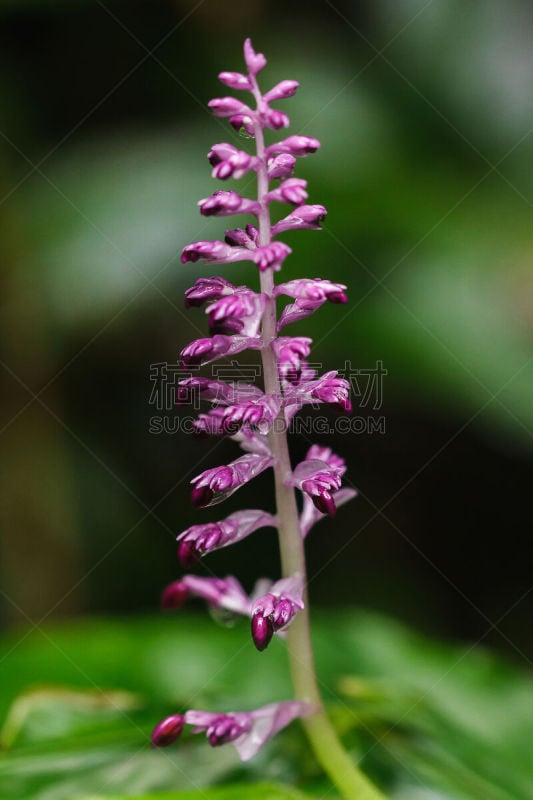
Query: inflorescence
[(241, 319)]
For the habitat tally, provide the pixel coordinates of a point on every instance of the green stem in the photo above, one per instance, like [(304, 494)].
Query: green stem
[(327, 747)]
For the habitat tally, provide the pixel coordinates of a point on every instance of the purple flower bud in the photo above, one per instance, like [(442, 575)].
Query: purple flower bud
[(281, 166), (224, 204), (203, 351), (219, 391), (248, 730), (240, 313), (225, 593), (207, 289), (313, 289), (290, 350), (254, 61), (275, 610), (235, 80), (295, 145), (281, 91), (307, 217), (168, 730), (272, 118), (174, 595), (242, 237), (271, 255), (198, 540), (228, 162), (291, 191), (326, 389), (243, 122), (215, 485), (212, 251), (319, 478), (262, 631), (227, 106)]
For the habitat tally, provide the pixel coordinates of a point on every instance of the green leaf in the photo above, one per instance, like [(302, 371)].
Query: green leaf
[(257, 791), (425, 720)]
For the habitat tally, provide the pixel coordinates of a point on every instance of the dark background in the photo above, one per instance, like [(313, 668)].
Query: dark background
[(424, 113)]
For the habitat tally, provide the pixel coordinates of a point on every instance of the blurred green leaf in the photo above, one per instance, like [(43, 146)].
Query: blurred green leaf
[(428, 721), (257, 791)]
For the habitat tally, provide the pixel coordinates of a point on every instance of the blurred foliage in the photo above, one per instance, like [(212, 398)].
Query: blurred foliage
[(426, 720)]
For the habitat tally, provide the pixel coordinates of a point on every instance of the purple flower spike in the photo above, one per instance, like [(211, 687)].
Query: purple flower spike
[(275, 610), (215, 485), (254, 61), (281, 91), (203, 351), (242, 319), (168, 731), (198, 540), (308, 217), (224, 204), (295, 146), (235, 80), (291, 191)]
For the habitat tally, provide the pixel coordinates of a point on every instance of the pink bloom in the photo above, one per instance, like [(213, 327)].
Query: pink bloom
[(240, 313), (227, 106), (228, 162), (307, 217), (243, 122), (313, 289), (216, 484), (225, 593), (243, 237), (290, 352), (271, 255), (319, 476), (326, 389), (257, 413), (198, 540), (235, 80), (217, 391), (295, 146), (281, 91), (223, 204), (203, 351), (281, 166), (207, 289), (291, 191), (254, 61), (247, 730)]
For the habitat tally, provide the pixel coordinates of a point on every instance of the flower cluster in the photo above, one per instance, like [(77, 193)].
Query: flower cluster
[(240, 319)]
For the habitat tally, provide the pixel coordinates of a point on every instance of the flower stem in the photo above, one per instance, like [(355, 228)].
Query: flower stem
[(327, 747)]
